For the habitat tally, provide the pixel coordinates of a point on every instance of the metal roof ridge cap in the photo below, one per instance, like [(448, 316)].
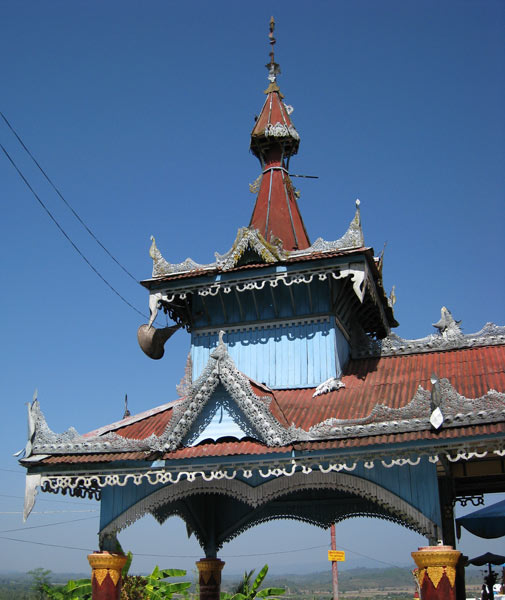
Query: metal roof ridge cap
[(133, 419)]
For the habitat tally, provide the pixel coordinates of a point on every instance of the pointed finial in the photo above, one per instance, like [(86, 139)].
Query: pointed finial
[(127, 413), (272, 66)]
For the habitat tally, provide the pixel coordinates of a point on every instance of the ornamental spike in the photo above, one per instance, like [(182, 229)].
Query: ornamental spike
[(272, 66)]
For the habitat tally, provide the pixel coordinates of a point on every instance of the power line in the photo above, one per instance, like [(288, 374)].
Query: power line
[(38, 499), (68, 237), (47, 512), (46, 544), (65, 201), (46, 525), (198, 555)]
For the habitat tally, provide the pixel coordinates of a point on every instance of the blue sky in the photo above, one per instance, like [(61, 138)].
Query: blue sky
[(141, 114)]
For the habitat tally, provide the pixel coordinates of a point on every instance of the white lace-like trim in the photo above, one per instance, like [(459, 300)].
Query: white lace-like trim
[(270, 490), (281, 130)]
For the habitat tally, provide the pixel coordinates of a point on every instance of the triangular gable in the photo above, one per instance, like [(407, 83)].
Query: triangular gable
[(221, 371), (250, 240), (220, 418)]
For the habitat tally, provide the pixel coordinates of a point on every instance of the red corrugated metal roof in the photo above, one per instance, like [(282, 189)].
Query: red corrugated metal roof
[(392, 381), (251, 448)]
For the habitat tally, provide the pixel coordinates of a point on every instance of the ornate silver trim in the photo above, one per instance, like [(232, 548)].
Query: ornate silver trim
[(162, 267), (330, 385), (270, 252), (250, 238), (450, 337), (45, 441), (270, 490), (280, 130), (415, 416), (222, 369), (352, 238), (358, 271)]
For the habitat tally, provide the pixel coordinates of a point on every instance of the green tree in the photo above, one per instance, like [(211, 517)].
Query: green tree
[(40, 578), (135, 587), (72, 590)]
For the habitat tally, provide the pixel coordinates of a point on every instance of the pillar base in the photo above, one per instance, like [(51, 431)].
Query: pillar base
[(106, 575), (437, 571), (209, 579)]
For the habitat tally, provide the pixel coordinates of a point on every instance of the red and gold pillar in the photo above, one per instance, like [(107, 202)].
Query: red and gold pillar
[(106, 575), (437, 571), (209, 579)]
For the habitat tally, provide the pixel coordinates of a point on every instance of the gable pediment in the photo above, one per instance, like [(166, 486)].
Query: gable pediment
[(220, 418), (222, 384), (250, 246)]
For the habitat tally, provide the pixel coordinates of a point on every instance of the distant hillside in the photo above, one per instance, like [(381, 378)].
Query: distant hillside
[(358, 583)]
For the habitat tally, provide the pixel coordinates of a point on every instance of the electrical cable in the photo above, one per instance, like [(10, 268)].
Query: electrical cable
[(46, 525), (198, 555), (64, 200), (68, 237), (48, 512), (41, 499)]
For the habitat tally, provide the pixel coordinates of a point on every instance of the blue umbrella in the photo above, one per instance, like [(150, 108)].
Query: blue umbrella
[(485, 523)]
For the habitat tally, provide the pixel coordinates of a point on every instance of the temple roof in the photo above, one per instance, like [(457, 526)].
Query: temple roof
[(378, 401)]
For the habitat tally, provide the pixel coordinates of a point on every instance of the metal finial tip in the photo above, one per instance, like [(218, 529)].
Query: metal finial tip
[(357, 202)]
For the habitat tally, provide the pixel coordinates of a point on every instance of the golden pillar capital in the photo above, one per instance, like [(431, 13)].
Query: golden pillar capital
[(209, 579), (436, 571), (106, 575)]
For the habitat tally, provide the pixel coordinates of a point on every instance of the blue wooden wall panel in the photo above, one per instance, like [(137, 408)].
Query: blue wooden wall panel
[(417, 485), (212, 313), (284, 356)]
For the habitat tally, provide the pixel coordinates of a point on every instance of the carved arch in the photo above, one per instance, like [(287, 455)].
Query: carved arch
[(384, 503)]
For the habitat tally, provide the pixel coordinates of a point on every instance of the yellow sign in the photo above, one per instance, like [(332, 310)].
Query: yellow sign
[(335, 555)]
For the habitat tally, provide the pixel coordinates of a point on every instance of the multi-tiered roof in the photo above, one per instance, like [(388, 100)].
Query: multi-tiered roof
[(294, 382)]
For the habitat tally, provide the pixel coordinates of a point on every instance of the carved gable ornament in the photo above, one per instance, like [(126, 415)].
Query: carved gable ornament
[(251, 240), (222, 370)]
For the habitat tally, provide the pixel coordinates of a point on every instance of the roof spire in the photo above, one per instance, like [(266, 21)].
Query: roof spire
[(274, 140), (272, 66)]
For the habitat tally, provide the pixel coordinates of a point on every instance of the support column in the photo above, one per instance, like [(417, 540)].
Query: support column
[(106, 575), (209, 570), (437, 571)]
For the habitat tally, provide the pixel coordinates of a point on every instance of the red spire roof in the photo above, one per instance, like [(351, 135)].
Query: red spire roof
[(274, 140)]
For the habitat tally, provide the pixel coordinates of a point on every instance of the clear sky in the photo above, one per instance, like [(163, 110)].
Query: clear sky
[(141, 114)]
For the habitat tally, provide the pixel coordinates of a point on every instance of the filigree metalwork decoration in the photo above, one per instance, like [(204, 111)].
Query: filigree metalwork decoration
[(330, 385), (280, 130), (475, 500), (260, 495), (222, 370), (187, 379), (447, 326), (45, 441), (250, 238), (254, 187), (450, 338), (415, 416), (269, 252), (162, 267), (352, 238)]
